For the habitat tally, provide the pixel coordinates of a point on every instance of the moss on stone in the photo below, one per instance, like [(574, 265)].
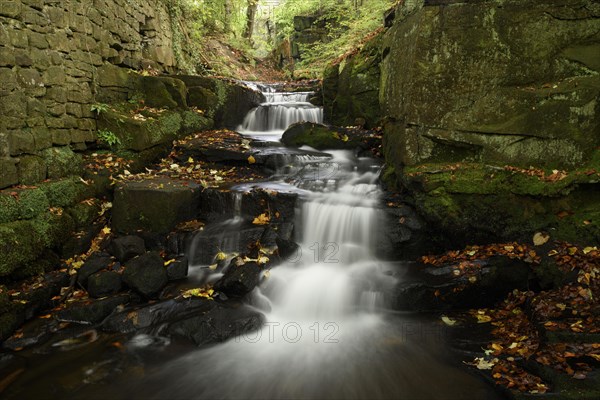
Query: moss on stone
[(19, 243), (318, 137), (61, 162), (84, 213), (194, 122), (65, 192)]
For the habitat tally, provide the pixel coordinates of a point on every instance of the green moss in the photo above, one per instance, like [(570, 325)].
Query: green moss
[(65, 192), (194, 122), (164, 129), (19, 243), (84, 213), (52, 229)]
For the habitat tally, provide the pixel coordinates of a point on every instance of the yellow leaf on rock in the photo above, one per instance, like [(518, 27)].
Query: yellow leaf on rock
[(262, 219), (106, 230), (448, 321), (540, 238), (251, 160)]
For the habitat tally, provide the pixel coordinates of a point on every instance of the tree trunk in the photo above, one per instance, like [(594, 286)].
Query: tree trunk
[(250, 15)]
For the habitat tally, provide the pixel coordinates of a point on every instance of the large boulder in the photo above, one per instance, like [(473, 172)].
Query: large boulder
[(155, 205), (227, 101), (239, 280), (320, 137), (351, 88), (146, 274), (496, 81)]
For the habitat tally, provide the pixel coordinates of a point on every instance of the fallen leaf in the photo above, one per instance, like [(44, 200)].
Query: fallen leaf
[(540, 238), (251, 160), (448, 321)]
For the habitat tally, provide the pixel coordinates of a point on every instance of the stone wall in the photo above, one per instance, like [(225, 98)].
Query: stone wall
[(51, 52), (498, 81)]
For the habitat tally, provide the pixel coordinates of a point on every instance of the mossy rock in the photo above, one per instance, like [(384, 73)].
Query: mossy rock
[(141, 134), (194, 122), (22, 242), (156, 205), (61, 162), (318, 136), (84, 213), (66, 192), (476, 202), (22, 204), (163, 92), (203, 98), (32, 169)]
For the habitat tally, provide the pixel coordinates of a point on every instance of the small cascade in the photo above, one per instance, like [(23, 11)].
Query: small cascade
[(281, 109)]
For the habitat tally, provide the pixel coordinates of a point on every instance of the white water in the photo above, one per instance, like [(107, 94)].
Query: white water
[(281, 109), (327, 334)]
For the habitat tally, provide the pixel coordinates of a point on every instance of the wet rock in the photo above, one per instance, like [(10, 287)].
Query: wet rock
[(146, 274), (287, 248), (234, 98), (238, 281), (178, 269), (32, 333), (203, 246), (218, 325), (40, 298), (95, 263), (156, 314), (323, 137), (104, 283), (86, 312), (156, 205), (126, 247), (439, 288), (402, 234)]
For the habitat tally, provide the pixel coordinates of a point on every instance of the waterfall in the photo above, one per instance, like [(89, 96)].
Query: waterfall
[(281, 109)]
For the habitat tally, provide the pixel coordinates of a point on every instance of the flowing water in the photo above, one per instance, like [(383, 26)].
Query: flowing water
[(328, 332), (281, 109)]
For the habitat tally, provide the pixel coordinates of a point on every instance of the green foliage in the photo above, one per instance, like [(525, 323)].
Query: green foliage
[(99, 108), (343, 24), (108, 137)]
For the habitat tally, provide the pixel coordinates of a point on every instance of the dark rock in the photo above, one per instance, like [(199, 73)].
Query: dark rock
[(156, 314), (437, 288), (204, 245), (126, 247), (178, 269), (234, 99), (238, 281), (322, 137), (287, 248), (86, 312), (401, 234), (104, 283), (34, 332), (218, 325), (146, 274), (95, 263), (164, 92), (156, 205)]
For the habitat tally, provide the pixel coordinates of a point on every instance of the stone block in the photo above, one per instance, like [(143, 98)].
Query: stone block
[(54, 76), (20, 142), (42, 137), (7, 57), (31, 169), (155, 205), (37, 40), (62, 161), (9, 175), (10, 9)]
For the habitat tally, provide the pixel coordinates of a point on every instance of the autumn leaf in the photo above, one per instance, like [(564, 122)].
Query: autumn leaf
[(204, 292), (540, 238), (448, 321), (251, 160), (262, 219)]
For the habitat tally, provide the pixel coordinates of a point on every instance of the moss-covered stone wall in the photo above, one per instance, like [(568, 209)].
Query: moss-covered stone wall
[(53, 67), (496, 81)]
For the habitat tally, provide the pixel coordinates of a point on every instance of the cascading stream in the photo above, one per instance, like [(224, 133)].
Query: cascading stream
[(281, 109), (327, 334)]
